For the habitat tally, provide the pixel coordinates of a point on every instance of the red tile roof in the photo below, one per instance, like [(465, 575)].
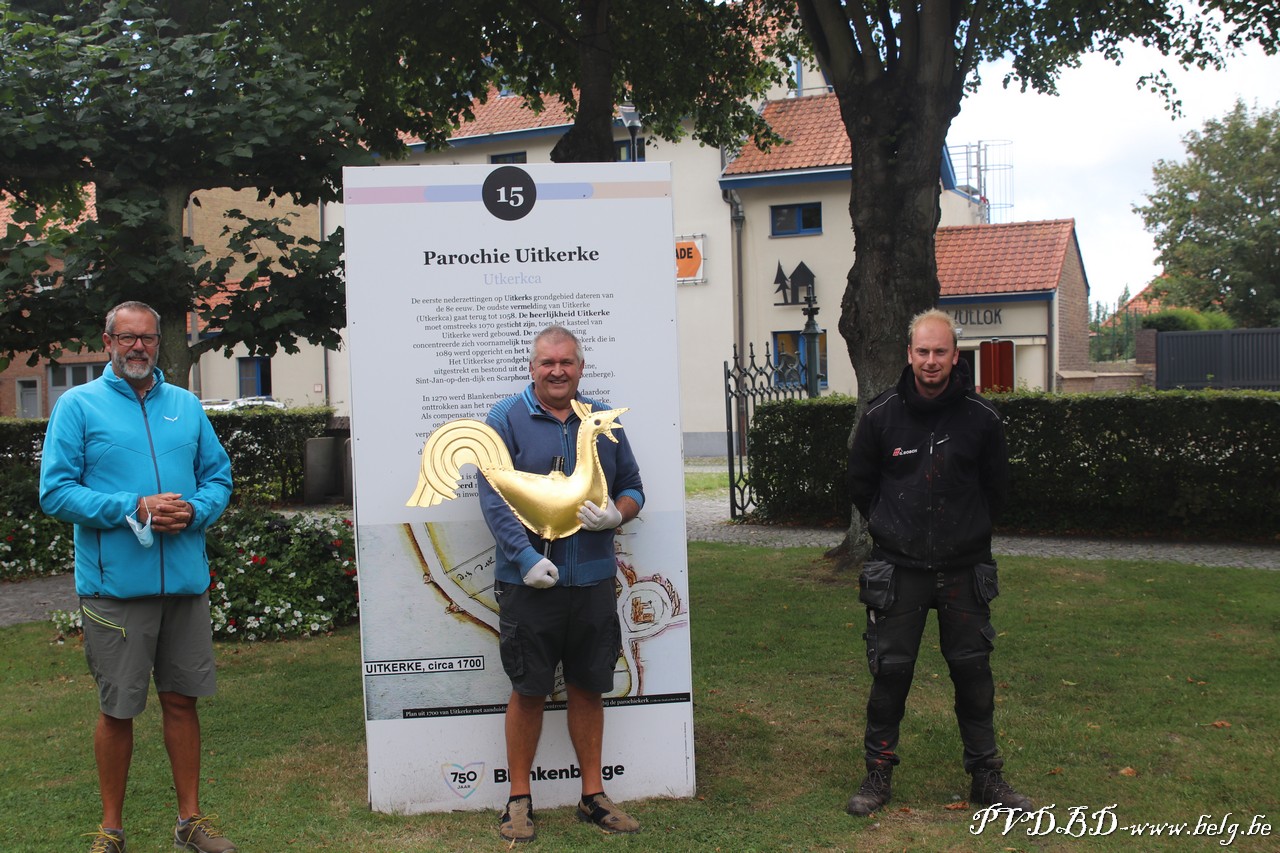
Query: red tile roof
[(507, 114), (816, 134), (1017, 257)]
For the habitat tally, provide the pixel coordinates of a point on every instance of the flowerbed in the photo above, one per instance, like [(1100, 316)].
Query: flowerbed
[(34, 546), (274, 576)]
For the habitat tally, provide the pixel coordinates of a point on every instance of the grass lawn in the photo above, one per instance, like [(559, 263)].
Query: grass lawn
[(1150, 687)]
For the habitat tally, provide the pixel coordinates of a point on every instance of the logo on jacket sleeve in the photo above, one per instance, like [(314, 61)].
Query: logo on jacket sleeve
[(898, 451)]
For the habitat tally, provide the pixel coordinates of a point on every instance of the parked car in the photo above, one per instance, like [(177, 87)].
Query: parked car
[(240, 403)]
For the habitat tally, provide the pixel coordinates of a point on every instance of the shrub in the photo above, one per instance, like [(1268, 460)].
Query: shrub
[(275, 575)]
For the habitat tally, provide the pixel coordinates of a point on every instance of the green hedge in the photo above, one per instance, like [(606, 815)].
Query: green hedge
[(1172, 463), (268, 448)]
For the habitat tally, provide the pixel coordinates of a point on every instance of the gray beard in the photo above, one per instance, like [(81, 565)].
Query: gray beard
[(132, 369)]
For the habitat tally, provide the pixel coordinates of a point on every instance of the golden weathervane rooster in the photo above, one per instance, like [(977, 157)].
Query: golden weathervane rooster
[(547, 504)]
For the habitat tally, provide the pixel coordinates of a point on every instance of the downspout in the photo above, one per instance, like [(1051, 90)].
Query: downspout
[(193, 332), (738, 218), (324, 350), (1050, 350)]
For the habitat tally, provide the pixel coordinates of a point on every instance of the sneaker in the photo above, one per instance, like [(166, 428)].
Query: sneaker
[(604, 813), (106, 841), (516, 825), (989, 789), (874, 792), (200, 834)]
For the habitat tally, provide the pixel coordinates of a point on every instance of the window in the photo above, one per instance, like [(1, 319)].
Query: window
[(511, 157), (622, 150), (793, 362), (789, 219), (28, 398), (255, 377), (64, 376)]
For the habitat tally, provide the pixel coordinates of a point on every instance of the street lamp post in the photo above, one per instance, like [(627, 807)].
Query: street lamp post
[(631, 120), (809, 337)]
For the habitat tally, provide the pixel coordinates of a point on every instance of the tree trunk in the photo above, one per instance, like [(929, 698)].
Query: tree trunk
[(897, 131), (590, 140)]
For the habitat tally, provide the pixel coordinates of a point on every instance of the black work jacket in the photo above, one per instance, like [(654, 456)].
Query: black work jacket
[(929, 475)]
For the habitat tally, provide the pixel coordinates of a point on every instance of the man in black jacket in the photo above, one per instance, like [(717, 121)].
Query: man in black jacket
[(929, 469)]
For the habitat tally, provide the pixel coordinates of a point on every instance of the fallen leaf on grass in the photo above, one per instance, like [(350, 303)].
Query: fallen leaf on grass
[(957, 807), (1128, 771), (1054, 772), (1068, 683)]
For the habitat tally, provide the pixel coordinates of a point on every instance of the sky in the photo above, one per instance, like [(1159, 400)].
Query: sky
[(1087, 154)]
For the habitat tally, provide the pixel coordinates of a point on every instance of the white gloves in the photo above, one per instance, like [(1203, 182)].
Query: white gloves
[(544, 574), (595, 518)]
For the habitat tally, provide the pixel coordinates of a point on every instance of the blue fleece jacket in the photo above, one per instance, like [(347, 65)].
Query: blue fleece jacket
[(534, 437), (104, 449)]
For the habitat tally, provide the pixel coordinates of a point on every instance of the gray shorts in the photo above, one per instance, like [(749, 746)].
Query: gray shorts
[(126, 641)]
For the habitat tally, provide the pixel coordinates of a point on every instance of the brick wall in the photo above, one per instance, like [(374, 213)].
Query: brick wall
[(1073, 313)]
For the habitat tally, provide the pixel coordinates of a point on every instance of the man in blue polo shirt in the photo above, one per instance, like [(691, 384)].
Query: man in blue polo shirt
[(558, 607)]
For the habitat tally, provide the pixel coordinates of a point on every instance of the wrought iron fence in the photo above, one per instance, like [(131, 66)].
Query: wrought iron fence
[(745, 386)]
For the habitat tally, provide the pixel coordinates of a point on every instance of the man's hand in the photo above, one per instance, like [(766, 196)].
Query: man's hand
[(543, 575), (595, 518), (168, 512)]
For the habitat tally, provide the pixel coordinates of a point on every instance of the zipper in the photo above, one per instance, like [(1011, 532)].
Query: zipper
[(569, 449), (932, 514), (155, 464), (103, 621)]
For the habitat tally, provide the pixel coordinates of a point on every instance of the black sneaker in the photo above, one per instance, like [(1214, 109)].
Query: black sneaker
[(874, 791), (516, 825), (990, 789)]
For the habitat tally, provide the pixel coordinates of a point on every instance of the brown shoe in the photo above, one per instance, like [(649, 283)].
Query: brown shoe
[(874, 792), (516, 825), (604, 813)]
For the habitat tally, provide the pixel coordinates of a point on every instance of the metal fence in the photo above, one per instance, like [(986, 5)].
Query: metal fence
[(745, 386), (1231, 358)]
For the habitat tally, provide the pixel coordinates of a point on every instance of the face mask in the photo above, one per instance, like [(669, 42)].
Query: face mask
[(142, 531)]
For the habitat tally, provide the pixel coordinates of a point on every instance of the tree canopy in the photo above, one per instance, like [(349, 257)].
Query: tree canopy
[(142, 105), (675, 60), (1216, 218)]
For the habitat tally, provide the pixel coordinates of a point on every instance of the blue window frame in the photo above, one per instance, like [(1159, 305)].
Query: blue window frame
[(255, 377), (512, 157), (786, 220)]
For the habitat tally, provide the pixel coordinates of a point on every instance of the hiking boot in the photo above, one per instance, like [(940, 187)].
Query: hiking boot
[(604, 813), (107, 841), (516, 825), (199, 833), (874, 791), (990, 789)]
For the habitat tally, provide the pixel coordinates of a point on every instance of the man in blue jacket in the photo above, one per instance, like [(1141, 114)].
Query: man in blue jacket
[(929, 469), (133, 462), (561, 607)]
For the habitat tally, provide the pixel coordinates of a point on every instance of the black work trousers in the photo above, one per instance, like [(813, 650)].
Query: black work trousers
[(962, 600)]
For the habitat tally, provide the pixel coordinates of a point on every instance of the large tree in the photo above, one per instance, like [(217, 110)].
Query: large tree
[(1216, 218), (136, 107), (900, 71), (676, 61)]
